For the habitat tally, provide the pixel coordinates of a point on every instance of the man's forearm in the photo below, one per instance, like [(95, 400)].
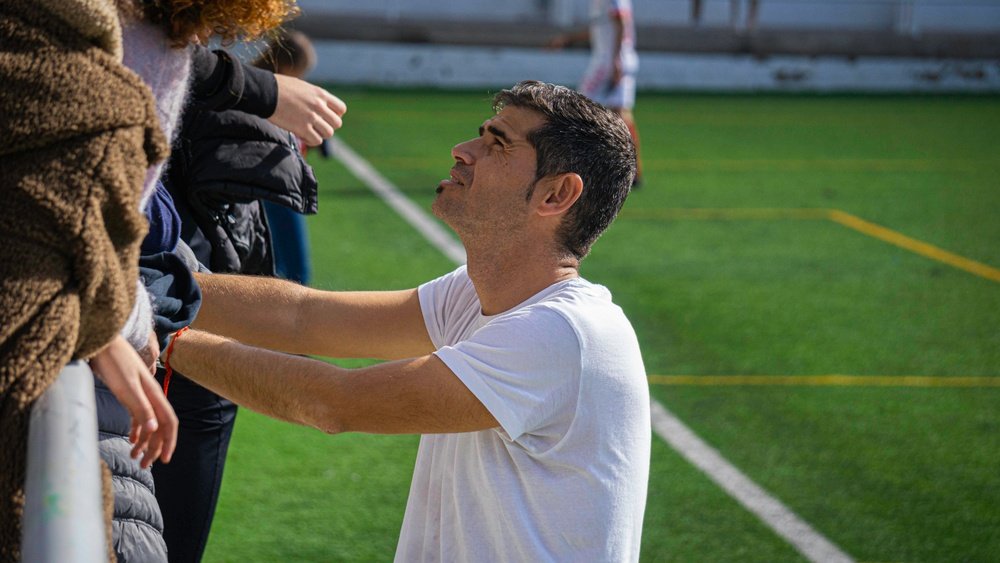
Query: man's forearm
[(255, 310), (281, 315), (416, 395), (278, 385)]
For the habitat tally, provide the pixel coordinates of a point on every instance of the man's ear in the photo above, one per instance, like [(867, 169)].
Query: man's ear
[(559, 193)]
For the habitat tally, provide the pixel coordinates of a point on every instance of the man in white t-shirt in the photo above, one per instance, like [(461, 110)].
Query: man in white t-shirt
[(525, 380)]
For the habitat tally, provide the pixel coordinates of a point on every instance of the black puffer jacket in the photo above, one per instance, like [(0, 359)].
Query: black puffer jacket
[(222, 165), (137, 528), (138, 524)]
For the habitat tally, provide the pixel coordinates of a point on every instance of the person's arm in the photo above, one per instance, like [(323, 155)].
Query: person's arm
[(221, 82), (616, 58), (282, 315), (154, 424), (412, 396), (564, 40), (307, 110)]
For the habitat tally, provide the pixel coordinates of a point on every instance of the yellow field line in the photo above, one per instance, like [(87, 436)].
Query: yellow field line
[(737, 214), (824, 380), (840, 217), (813, 164), (914, 245)]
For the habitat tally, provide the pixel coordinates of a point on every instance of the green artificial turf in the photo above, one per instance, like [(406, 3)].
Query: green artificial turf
[(887, 474)]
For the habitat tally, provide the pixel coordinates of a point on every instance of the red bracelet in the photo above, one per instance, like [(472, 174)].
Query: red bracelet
[(168, 371)]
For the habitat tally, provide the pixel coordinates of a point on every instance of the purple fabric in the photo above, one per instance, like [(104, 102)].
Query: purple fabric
[(164, 222), (167, 71)]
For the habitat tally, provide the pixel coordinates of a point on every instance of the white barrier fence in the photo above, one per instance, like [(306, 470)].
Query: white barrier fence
[(63, 513), (456, 66)]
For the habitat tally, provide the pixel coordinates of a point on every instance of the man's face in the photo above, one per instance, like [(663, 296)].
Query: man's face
[(491, 177)]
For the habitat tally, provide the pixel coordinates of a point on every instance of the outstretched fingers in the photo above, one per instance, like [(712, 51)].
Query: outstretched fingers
[(153, 430), (162, 437)]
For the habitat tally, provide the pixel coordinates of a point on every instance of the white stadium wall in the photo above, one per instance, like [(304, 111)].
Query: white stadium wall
[(925, 44), (441, 66)]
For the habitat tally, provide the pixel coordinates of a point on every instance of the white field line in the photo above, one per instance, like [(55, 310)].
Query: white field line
[(770, 510), (406, 209)]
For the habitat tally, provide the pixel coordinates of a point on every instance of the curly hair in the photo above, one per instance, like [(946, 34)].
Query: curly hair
[(227, 19)]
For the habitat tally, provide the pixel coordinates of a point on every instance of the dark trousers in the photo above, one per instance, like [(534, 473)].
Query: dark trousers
[(187, 488), (289, 242)]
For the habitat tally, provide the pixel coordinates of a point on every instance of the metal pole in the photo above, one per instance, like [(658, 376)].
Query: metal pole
[(63, 512)]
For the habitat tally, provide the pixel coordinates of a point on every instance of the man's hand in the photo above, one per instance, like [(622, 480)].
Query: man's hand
[(154, 424), (308, 111)]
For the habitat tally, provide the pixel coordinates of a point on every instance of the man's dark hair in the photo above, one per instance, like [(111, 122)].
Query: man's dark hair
[(583, 137)]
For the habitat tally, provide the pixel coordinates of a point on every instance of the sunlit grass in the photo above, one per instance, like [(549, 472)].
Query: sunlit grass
[(887, 474)]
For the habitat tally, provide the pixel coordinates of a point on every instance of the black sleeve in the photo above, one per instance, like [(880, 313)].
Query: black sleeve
[(220, 82)]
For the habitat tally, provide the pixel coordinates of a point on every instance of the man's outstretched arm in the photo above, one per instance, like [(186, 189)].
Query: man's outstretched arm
[(280, 315), (412, 396)]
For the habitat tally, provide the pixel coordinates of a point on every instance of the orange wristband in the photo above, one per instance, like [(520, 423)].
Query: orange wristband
[(169, 371)]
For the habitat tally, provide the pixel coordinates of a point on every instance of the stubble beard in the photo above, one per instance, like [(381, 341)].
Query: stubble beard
[(492, 229)]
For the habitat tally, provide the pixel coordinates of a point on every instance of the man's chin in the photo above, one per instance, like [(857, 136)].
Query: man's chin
[(436, 207)]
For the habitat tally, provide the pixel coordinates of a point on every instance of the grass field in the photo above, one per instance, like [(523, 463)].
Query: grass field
[(742, 287)]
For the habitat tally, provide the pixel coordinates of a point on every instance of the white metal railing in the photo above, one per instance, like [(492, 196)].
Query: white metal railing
[(63, 512), (902, 15)]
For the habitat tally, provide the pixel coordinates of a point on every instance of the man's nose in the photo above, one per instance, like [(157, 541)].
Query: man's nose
[(465, 152)]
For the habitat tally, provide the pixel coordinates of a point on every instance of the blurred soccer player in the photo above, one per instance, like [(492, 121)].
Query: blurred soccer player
[(610, 77)]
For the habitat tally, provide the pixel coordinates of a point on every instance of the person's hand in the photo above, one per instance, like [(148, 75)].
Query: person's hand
[(616, 72), (563, 40), (308, 111), (154, 424), (558, 42), (151, 352)]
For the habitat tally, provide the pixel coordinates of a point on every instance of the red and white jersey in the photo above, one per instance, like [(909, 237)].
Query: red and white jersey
[(602, 33)]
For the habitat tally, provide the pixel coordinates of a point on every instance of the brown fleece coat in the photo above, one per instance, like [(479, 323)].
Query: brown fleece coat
[(77, 133)]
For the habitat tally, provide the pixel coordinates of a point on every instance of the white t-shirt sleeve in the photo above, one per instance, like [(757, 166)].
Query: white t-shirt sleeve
[(524, 366), (525, 369), (447, 303)]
